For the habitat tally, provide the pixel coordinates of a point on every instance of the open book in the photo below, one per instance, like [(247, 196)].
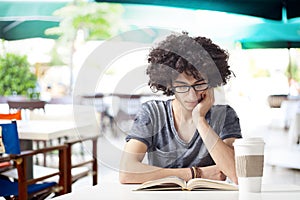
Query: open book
[(176, 183)]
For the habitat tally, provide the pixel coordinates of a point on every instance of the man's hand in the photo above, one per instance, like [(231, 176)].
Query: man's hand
[(212, 172), (204, 105)]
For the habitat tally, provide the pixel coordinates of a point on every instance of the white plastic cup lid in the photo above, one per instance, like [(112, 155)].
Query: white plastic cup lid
[(250, 141)]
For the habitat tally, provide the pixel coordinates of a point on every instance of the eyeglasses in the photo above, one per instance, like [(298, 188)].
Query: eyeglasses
[(186, 88)]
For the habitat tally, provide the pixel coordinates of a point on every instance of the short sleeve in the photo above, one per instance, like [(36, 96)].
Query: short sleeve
[(232, 128), (225, 122), (142, 128)]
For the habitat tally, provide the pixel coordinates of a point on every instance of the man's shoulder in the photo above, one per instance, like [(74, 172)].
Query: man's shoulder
[(223, 108), (157, 106)]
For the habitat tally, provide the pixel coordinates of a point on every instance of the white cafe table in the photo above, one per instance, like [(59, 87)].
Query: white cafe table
[(45, 129), (115, 190)]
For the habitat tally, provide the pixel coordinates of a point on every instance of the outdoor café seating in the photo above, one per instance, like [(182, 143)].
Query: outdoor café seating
[(24, 187), (72, 168)]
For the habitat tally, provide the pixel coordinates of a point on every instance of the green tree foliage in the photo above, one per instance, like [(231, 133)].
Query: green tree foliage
[(293, 72), (98, 20), (257, 72), (15, 75)]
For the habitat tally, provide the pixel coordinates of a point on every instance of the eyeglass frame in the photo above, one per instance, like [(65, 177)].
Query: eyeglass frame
[(173, 88)]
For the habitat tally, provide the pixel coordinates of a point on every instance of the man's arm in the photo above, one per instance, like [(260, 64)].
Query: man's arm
[(132, 170), (222, 152)]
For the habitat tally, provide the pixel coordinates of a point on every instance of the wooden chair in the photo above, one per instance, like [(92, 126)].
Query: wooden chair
[(77, 166), (24, 188), (71, 166)]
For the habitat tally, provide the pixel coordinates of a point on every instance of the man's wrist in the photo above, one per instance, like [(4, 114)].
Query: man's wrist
[(192, 172), (202, 123), (198, 172)]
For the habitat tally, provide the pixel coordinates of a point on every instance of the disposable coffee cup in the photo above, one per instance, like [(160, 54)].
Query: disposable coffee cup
[(249, 163)]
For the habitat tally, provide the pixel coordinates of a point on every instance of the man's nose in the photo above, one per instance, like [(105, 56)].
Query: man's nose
[(192, 92)]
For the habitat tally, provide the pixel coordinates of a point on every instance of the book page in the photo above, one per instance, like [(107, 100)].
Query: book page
[(168, 183), (200, 183)]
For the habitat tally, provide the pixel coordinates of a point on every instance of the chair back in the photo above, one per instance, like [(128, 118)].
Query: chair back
[(9, 138), (11, 116)]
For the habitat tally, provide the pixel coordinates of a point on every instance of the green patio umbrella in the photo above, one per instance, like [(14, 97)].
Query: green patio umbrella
[(225, 28), (270, 44), (28, 19), (269, 9), (272, 34)]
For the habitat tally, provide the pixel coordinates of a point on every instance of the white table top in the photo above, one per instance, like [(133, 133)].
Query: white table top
[(46, 129), (114, 190)]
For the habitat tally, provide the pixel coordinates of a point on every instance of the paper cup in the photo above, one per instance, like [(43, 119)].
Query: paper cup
[(249, 163)]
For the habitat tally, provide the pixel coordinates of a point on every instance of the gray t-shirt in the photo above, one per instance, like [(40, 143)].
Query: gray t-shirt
[(154, 126)]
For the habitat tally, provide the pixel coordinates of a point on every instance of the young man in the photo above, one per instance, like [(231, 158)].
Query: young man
[(187, 136)]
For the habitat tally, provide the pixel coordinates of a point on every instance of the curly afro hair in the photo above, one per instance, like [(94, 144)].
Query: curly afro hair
[(196, 56)]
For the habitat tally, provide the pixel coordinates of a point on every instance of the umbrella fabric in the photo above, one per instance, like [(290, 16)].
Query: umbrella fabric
[(269, 9), (271, 34), (224, 28), (28, 19), (16, 30), (270, 44)]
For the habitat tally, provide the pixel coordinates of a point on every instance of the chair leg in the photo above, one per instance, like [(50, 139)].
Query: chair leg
[(68, 164), (95, 163), (37, 147), (45, 155)]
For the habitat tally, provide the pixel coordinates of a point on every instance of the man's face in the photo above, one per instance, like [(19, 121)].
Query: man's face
[(188, 90)]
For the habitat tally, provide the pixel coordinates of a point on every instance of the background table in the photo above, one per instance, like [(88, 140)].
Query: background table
[(44, 130)]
